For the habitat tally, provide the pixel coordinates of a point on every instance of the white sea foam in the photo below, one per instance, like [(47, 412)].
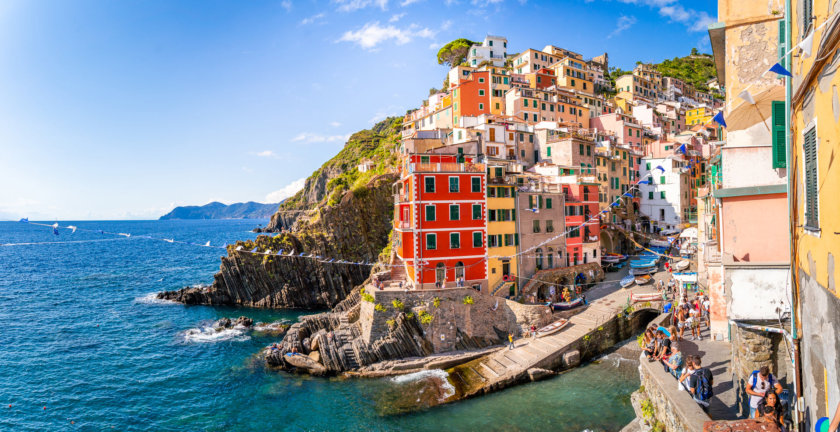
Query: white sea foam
[(151, 298), (440, 374), (269, 327), (210, 334)]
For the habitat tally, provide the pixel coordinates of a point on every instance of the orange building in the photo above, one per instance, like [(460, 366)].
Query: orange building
[(472, 97)]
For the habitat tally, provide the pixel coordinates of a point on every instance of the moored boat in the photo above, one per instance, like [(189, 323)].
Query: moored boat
[(568, 305), (660, 243), (642, 279), (627, 281), (643, 263), (552, 328), (643, 270), (682, 265), (645, 297)]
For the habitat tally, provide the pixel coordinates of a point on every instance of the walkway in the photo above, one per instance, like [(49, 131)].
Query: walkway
[(506, 365)]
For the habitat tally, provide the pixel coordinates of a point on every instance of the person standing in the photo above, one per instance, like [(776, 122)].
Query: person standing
[(682, 317), (770, 408), (510, 341), (700, 385), (758, 384)]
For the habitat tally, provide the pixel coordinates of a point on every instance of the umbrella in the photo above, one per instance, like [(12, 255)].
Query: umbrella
[(747, 115), (664, 330)]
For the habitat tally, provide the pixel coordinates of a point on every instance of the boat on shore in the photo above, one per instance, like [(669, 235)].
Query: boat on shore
[(552, 328), (643, 263), (682, 265), (660, 243), (561, 306), (645, 297), (627, 281), (642, 279), (643, 270)]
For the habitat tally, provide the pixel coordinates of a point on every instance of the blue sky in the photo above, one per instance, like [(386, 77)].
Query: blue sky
[(124, 109)]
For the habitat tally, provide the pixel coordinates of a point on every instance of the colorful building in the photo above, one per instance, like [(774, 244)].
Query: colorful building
[(439, 220), (699, 116), (502, 235)]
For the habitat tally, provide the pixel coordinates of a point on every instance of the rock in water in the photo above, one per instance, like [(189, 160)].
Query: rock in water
[(355, 229)]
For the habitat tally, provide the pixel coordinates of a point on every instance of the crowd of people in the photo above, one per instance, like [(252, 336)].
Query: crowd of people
[(663, 345)]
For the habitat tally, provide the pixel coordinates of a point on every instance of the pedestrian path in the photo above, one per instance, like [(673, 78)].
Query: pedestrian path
[(508, 364)]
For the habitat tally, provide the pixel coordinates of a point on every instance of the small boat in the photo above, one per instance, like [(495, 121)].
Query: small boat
[(660, 243), (568, 305), (645, 297), (668, 232), (304, 362), (552, 328), (643, 271), (610, 259), (642, 279), (682, 265), (627, 281), (615, 255), (642, 263)]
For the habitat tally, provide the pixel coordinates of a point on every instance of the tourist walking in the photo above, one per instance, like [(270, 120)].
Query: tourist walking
[(682, 317), (771, 409), (700, 385), (510, 341), (688, 369), (758, 384), (706, 304), (533, 331), (694, 321)]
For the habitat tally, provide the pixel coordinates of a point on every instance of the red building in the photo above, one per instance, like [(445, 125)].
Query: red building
[(439, 220), (582, 223)]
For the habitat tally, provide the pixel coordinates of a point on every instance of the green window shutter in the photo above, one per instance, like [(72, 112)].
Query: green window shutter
[(650, 195), (779, 148), (491, 215), (539, 197), (580, 148), (661, 179), (530, 201), (476, 211), (548, 151), (455, 212), (513, 215), (431, 241), (812, 219), (430, 213), (430, 184), (548, 203), (476, 184), (648, 166), (454, 240), (477, 242), (662, 195), (516, 239), (453, 184)]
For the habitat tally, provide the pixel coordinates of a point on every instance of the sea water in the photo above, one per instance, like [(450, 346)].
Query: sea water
[(84, 346)]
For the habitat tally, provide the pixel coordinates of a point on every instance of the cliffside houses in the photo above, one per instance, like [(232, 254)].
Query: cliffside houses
[(530, 162)]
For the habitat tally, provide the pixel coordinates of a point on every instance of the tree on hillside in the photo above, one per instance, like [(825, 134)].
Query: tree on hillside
[(454, 52)]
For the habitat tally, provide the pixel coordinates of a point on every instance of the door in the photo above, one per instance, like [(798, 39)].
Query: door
[(493, 134), (405, 219), (505, 270), (440, 272)]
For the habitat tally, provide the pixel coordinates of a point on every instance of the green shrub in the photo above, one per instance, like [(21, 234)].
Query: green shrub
[(409, 315), (398, 305), (468, 300), (425, 317), (379, 308), (368, 298), (391, 324), (436, 302)]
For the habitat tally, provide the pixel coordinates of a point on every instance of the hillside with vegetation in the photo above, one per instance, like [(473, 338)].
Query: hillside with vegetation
[(696, 69)]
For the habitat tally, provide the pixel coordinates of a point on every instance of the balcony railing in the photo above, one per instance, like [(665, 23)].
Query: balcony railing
[(446, 167)]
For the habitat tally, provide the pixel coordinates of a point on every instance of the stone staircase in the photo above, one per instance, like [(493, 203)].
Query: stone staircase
[(502, 289), (398, 271), (345, 337)]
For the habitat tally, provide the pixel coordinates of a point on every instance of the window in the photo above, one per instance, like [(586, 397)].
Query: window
[(431, 241), (536, 226), (779, 149), (580, 149), (548, 203), (454, 212), (476, 211), (662, 195), (650, 195), (807, 12), (809, 152), (548, 151), (549, 226), (430, 184), (481, 107), (454, 240), (589, 150), (476, 184), (453, 184), (661, 179), (477, 240), (430, 213), (481, 91)]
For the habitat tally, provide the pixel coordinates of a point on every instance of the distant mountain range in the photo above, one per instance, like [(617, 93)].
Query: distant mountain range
[(217, 210)]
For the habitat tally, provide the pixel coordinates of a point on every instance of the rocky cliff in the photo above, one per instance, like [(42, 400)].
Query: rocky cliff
[(356, 229)]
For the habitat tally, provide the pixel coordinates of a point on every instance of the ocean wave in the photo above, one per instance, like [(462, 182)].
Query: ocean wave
[(210, 334), (271, 327), (151, 298), (433, 374)]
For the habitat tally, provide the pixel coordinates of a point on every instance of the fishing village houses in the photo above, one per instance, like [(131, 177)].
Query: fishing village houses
[(520, 176)]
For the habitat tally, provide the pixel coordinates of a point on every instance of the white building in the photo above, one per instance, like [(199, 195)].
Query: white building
[(493, 50), (665, 198)]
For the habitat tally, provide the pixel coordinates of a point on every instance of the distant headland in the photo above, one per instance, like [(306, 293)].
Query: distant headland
[(217, 210)]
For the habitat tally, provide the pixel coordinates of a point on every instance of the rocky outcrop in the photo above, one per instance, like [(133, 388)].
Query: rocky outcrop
[(354, 229), (412, 325)]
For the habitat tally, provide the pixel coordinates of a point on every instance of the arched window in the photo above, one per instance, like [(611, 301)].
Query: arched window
[(459, 270), (550, 258), (539, 259), (440, 272)]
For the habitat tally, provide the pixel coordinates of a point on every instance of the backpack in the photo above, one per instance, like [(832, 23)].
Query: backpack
[(703, 391)]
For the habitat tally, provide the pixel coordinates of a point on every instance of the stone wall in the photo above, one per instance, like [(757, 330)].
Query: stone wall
[(751, 350), (675, 409)]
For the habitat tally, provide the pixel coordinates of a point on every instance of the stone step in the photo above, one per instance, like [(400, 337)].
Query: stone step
[(496, 366), (506, 362), (482, 377), (489, 370)]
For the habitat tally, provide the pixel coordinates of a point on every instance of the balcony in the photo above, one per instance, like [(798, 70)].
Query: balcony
[(446, 168), (403, 225)]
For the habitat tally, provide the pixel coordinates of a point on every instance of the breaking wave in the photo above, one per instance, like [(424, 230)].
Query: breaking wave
[(209, 334), (435, 375)]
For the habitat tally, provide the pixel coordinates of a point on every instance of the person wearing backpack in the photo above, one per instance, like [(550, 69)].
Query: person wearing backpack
[(700, 385), (758, 384)]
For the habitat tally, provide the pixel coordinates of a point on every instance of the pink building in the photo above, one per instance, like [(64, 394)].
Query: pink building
[(623, 126)]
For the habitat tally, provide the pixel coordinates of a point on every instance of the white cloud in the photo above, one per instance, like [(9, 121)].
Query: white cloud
[(396, 17), (373, 34), (312, 19), (694, 20), (286, 4), (352, 5), (408, 2), (435, 45), (306, 137), (266, 153), (483, 3), (335, 124), (285, 192), (624, 22)]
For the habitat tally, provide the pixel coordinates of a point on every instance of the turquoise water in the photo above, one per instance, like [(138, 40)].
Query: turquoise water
[(81, 338)]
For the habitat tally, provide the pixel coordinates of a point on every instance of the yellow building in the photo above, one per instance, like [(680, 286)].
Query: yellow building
[(573, 74), (814, 190), (502, 238), (698, 116)]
